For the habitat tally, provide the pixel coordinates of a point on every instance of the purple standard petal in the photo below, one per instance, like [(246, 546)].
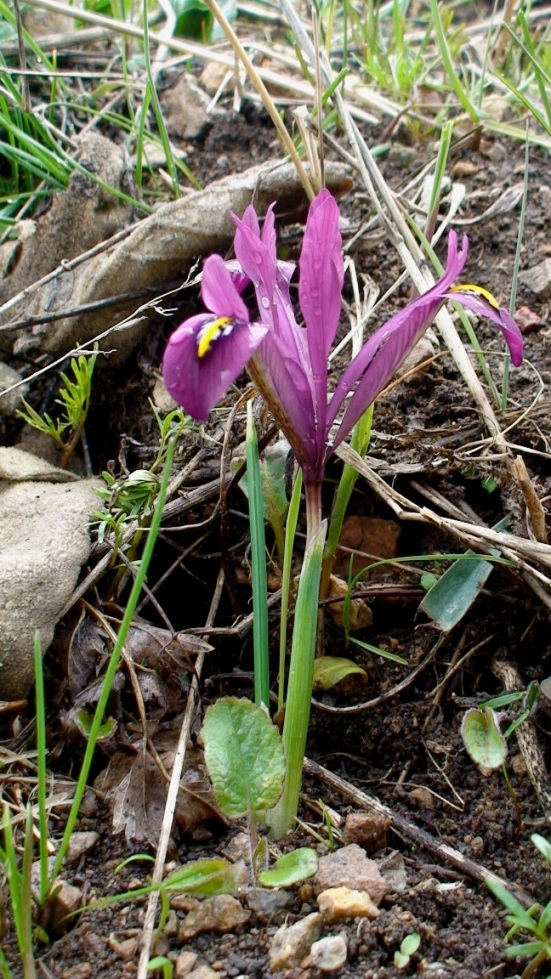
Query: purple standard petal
[(483, 304), (383, 353), (204, 356), (320, 286), (271, 283), (268, 234), (219, 292), (321, 276)]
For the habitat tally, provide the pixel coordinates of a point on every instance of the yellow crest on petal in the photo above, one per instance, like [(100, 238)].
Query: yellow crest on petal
[(478, 290), (210, 333)]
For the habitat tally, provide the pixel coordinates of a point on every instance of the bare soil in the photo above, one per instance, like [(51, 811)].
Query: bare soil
[(409, 740)]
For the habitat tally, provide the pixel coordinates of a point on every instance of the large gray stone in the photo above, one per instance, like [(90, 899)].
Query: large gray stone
[(44, 534)]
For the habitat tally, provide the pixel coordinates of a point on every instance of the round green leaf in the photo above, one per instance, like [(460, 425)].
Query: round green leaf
[(483, 739), (244, 756)]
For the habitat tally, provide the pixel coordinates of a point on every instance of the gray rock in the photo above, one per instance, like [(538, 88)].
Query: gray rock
[(538, 278), (9, 403), (291, 943), (44, 534), (80, 843), (222, 913), (266, 902)]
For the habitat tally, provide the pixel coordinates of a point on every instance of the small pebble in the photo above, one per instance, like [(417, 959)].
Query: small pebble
[(367, 829), (421, 797), (291, 943), (329, 953), (337, 903), (185, 962)]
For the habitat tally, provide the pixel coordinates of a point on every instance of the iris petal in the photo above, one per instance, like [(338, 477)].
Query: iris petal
[(383, 353), (197, 382), (219, 292), (482, 305)]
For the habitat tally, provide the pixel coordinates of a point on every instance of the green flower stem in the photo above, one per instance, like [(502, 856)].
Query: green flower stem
[(360, 442), (290, 530), (41, 753), (258, 562), (299, 689), (110, 673)]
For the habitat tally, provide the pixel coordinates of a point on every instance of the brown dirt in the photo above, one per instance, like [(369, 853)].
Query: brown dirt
[(401, 744)]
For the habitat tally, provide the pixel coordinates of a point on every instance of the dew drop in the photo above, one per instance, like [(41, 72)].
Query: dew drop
[(265, 302)]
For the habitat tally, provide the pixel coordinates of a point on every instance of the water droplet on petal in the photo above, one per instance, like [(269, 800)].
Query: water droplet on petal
[(265, 302)]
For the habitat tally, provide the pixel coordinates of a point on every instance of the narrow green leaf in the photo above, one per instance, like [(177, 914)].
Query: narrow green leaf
[(206, 876), (299, 687), (259, 574), (384, 653), (507, 899)]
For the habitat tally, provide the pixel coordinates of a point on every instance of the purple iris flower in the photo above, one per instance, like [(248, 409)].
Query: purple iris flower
[(208, 351), (288, 362)]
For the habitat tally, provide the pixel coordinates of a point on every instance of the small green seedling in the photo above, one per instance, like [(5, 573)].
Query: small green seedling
[(535, 921), (330, 670), (161, 962), (129, 501), (408, 948), (481, 733), (74, 398), (483, 739)]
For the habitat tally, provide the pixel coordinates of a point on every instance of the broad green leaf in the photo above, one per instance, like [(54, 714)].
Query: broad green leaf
[(329, 670), (483, 739), (291, 868), (216, 876), (244, 756), (453, 594)]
